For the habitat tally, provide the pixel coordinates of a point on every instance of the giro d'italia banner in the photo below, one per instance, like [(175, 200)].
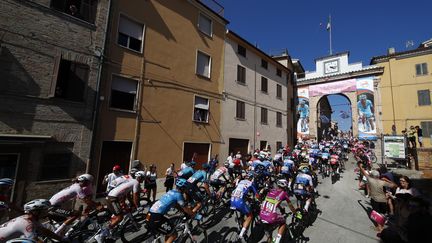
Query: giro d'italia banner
[(303, 112), (366, 108)]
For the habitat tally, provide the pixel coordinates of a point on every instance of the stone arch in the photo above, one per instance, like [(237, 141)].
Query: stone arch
[(313, 116)]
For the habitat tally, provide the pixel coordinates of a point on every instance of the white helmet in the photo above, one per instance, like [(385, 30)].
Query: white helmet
[(21, 240), (37, 204), (85, 177), (282, 183), (140, 174)]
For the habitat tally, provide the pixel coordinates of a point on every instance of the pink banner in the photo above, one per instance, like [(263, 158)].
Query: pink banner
[(333, 88)]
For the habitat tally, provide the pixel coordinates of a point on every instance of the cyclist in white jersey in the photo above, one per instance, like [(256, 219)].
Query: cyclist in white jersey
[(82, 189), (28, 225), (217, 182)]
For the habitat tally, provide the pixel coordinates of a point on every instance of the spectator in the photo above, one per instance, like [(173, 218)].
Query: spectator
[(214, 163), (394, 130), (150, 182), (230, 163), (169, 177), (411, 136), (419, 135), (109, 178)]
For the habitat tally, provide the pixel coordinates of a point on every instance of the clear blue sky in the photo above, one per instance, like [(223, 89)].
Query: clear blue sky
[(340, 103), (365, 28)]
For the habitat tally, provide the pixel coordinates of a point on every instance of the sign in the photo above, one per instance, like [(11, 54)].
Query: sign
[(394, 147), (348, 85), (366, 109), (303, 112)]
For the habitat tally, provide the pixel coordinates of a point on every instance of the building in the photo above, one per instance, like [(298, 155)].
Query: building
[(257, 90), (162, 85), (405, 88), (49, 66), (334, 75)]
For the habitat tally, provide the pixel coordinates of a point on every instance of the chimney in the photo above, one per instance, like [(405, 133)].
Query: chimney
[(391, 51)]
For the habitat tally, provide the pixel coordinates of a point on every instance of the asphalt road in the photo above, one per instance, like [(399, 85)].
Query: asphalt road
[(344, 216)]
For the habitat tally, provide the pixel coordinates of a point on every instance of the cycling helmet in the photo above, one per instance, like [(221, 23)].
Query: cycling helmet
[(282, 183), (116, 168), (250, 175), (6, 182), (3, 205), (304, 169), (181, 182), (140, 174), (191, 164), (85, 177), (133, 171), (205, 166), (36, 205), (226, 164), (21, 240)]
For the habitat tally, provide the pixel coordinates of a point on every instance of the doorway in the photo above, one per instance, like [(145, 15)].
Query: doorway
[(9, 168), (236, 145), (198, 152), (334, 117)]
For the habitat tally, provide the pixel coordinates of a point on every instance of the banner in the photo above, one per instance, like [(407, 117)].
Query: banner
[(348, 85), (366, 108), (303, 113)]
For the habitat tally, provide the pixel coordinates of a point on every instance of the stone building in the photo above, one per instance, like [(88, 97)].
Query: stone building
[(49, 72)]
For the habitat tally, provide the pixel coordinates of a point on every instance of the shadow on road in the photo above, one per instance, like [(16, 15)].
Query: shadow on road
[(346, 228)]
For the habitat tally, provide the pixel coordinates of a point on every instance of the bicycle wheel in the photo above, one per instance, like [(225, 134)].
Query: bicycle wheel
[(373, 158), (232, 235), (199, 234), (131, 231)]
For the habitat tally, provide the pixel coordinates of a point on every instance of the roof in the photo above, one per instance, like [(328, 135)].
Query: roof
[(297, 63), (211, 10), (350, 73), (276, 63), (384, 58), (333, 55)]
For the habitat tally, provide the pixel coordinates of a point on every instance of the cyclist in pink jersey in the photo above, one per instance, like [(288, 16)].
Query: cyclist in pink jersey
[(269, 207)]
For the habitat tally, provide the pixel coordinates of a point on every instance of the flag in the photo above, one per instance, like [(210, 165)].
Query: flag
[(328, 28)]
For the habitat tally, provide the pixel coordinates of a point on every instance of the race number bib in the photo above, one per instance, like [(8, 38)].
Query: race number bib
[(299, 186), (237, 193), (191, 180), (269, 205)]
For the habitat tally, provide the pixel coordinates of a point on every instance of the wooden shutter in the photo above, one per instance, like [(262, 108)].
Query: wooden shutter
[(56, 67)]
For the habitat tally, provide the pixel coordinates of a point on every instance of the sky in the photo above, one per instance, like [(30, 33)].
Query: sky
[(365, 28)]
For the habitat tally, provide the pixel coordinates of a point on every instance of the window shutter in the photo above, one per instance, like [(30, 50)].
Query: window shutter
[(57, 60), (424, 67), (131, 28)]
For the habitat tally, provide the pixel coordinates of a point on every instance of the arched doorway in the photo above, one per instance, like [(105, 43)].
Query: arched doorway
[(334, 116)]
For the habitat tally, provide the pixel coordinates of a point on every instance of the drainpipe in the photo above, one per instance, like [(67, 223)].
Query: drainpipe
[(255, 104), (97, 100)]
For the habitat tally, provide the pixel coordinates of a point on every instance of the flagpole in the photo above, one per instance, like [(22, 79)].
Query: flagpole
[(330, 35)]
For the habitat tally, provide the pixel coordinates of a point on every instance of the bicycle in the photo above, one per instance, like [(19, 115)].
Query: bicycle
[(232, 235), (268, 229)]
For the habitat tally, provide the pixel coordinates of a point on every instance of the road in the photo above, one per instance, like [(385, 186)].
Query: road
[(343, 219)]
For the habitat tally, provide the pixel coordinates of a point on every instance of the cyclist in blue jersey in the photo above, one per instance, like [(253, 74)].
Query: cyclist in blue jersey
[(192, 186), (239, 203), (188, 171), (303, 110), (303, 185), (366, 111), (173, 198)]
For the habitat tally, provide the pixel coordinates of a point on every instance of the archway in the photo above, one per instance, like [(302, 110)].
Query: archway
[(334, 116)]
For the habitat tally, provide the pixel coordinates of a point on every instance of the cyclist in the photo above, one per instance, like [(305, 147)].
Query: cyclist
[(6, 185), (188, 171), (170, 199), (277, 160), (303, 185), (116, 202), (192, 188), (217, 182), (287, 169), (269, 207), (81, 189), (28, 225), (239, 203)]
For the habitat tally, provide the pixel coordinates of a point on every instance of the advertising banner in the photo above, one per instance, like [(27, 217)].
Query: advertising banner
[(303, 112), (348, 85), (366, 108), (394, 147)]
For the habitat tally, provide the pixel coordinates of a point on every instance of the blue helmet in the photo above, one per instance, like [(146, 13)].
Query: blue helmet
[(205, 166), (304, 169), (6, 182), (191, 164), (181, 182)]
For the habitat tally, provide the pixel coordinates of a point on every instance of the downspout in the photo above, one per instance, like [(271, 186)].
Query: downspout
[(255, 104), (134, 152), (97, 100)]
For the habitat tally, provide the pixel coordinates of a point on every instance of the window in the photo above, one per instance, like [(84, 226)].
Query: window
[(241, 50), (70, 81), (264, 87), (423, 97), (421, 69), (82, 9), (279, 91), (278, 119), (279, 72), (130, 34), (55, 167), (426, 127), (123, 93), (278, 145), (240, 110), (241, 74), (263, 115), (264, 63), (201, 109), (205, 25), (203, 64), (263, 145)]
